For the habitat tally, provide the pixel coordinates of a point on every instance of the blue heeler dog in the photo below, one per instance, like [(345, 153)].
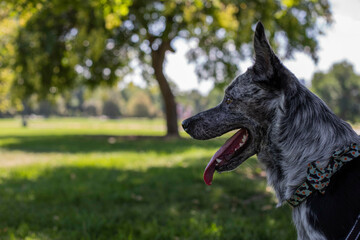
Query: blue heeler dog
[(298, 140)]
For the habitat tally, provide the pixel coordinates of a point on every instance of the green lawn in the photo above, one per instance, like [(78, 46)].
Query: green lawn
[(73, 179)]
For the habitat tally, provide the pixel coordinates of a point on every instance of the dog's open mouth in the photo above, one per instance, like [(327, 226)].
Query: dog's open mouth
[(224, 157)]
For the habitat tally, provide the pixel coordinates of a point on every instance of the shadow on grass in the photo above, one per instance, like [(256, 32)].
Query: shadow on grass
[(160, 203), (101, 143)]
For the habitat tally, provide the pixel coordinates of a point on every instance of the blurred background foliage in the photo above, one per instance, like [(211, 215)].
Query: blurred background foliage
[(130, 101), (340, 89), (50, 47)]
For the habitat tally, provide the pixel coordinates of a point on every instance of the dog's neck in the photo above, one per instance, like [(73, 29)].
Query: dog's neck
[(303, 130)]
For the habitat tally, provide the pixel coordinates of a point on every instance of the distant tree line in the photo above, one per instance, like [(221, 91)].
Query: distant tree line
[(128, 101), (131, 101)]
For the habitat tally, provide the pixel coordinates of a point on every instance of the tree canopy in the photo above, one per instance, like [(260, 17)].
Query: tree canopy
[(340, 89), (56, 45)]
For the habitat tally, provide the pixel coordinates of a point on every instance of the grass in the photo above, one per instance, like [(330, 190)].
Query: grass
[(74, 179)]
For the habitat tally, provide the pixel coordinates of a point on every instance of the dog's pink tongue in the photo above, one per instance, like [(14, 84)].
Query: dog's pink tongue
[(210, 168)]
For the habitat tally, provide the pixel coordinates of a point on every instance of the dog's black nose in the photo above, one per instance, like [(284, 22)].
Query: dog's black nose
[(185, 124)]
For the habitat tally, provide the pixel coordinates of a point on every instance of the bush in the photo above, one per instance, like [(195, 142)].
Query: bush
[(141, 105), (45, 108), (91, 110), (111, 109)]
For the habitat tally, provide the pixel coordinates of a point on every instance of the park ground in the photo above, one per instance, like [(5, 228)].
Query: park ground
[(76, 178)]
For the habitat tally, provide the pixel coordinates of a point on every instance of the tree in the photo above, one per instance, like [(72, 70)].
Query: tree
[(340, 89), (67, 43), (8, 29)]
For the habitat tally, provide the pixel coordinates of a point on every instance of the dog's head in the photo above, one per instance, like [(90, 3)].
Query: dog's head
[(249, 105)]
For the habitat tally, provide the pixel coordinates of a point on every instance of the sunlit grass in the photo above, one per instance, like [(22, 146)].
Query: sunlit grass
[(83, 126), (75, 179)]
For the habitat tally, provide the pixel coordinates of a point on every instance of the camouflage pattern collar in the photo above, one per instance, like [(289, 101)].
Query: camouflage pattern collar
[(318, 178)]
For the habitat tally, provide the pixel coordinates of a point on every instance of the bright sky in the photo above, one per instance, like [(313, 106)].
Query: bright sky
[(341, 41)]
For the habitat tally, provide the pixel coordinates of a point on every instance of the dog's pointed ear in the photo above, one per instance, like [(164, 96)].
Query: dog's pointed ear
[(266, 61)]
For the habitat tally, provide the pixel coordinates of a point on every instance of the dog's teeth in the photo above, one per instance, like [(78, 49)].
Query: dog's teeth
[(218, 160), (239, 146)]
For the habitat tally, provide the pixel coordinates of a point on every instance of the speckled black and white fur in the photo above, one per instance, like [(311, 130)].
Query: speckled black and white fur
[(288, 127)]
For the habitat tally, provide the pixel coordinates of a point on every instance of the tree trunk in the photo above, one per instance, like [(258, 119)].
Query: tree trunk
[(158, 57)]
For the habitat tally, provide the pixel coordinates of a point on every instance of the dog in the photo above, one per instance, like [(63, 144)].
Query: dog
[(291, 131)]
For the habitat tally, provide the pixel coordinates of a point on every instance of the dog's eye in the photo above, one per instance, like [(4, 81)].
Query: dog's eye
[(228, 100)]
